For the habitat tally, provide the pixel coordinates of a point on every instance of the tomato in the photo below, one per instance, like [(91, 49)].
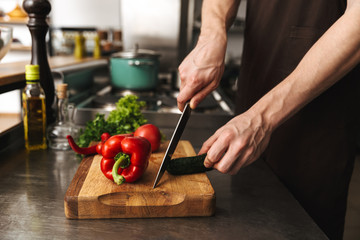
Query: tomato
[(151, 133)]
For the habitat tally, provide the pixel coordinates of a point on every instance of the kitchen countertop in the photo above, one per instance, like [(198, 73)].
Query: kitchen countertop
[(254, 204), (14, 73)]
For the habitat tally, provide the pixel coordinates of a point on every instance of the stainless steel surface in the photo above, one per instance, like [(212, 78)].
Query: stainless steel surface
[(173, 142), (161, 25), (160, 100), (81, 66), (251, 205), (83, 79)]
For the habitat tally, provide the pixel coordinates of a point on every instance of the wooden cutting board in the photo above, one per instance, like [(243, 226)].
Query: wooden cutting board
[(91, 195)]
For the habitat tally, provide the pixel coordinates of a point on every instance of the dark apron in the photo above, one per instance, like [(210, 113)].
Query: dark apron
[(313, 152)]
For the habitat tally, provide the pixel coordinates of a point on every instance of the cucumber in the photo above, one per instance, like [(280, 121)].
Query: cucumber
[(187, 165)]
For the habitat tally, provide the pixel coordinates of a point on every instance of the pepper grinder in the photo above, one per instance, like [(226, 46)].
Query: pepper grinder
[(37, 11)]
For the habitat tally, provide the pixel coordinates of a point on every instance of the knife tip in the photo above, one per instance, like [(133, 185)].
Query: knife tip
[(155, 183)]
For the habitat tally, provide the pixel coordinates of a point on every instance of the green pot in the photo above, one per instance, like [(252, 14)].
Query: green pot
[(134, 70)]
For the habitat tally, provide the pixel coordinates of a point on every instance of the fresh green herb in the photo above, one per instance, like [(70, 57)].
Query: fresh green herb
[(126, 118)]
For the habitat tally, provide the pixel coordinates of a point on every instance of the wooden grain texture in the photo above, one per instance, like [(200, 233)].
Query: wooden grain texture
[(91, 195)]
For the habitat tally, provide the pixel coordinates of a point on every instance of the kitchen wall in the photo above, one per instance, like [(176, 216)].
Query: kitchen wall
[(7, 5), (86, 13), (154, 25)]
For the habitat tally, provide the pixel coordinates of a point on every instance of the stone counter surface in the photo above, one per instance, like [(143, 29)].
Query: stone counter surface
[(251, 205)]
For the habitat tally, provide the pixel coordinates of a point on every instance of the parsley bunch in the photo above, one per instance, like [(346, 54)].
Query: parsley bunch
[(126, 118)]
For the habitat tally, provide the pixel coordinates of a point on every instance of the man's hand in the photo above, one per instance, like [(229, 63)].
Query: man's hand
[(237, 144), (201, 70)]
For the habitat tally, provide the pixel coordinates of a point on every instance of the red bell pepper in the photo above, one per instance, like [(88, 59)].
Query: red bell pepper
[(112, 146), (125, 157), (106, 166), (132, 162), (88, 150)]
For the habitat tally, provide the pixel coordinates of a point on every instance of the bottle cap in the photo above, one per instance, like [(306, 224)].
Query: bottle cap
[(32, 73), (61, 90)]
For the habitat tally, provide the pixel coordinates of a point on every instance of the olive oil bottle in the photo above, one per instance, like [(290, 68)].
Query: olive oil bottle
[(34, 110)]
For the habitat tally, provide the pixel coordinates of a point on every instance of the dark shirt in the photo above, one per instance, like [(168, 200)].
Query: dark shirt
[(314, 151)]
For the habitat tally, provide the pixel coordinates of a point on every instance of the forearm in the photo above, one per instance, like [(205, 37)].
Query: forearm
[(218, 16), (331, 57), (201, 70)]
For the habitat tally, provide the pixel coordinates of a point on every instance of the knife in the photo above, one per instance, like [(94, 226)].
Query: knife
[(173, 142)]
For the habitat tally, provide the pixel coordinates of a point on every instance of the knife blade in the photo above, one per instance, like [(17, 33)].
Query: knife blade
[(173, 142)]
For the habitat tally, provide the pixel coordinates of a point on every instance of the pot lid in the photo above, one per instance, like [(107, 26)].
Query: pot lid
[(137, 53)]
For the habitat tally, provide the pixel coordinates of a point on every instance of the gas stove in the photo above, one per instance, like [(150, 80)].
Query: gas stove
[(161, 100)]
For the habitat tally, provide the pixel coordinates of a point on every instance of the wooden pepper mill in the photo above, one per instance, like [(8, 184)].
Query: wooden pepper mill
[(38, 11)]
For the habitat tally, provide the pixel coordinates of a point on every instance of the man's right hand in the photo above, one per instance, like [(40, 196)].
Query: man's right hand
[(201, 70)]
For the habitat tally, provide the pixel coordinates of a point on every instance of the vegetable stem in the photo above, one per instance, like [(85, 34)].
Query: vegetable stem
[(118, 179)]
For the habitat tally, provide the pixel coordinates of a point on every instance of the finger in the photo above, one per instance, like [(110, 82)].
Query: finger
[(201, 95), (197, 86), (204, 149), (235, 152), (215, 153), (186, 93), (240, 163), (208, 163), (181, 103), (212, 160), (245, 159), (225, 163), (181, 106), (208, 143), (213, 82), (181, 98)]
